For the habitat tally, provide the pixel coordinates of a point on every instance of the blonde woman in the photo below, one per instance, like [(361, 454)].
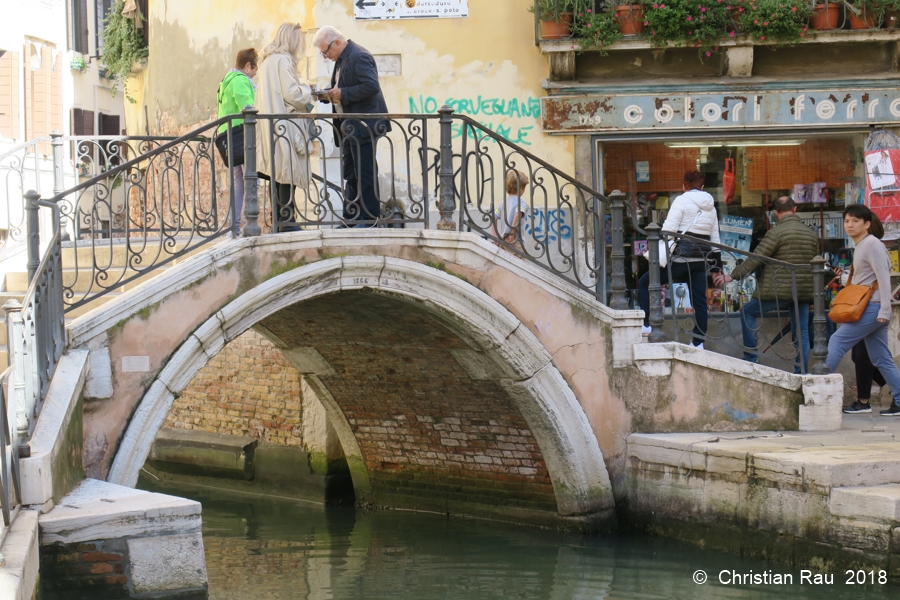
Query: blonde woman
[(280, 91)]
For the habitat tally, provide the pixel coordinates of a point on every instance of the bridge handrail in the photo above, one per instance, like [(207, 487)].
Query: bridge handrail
[(10, 481), (713, 258)]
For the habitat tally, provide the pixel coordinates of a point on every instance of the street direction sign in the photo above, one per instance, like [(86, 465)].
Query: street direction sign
[(410, 9)]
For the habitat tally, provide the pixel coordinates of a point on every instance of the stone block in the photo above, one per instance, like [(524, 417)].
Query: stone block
[(19, 574), (203, 453), (167, 563), (863, 535), (878, 503), (97, 510), (820, 418)]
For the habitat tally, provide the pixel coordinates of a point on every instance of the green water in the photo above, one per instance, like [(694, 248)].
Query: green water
[(272, 549)]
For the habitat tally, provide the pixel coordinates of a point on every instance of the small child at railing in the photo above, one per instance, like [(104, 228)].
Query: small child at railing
[(507, 221)]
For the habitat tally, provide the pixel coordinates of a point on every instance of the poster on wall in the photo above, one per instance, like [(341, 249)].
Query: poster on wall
[(410, 9), (642, 171)]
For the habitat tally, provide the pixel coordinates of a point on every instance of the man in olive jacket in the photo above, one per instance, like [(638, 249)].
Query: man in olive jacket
[(789, 241)]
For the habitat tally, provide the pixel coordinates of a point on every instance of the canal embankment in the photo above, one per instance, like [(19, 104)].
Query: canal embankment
[(830, 499)]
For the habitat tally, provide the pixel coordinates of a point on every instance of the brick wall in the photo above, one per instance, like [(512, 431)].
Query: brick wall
[(424, 427), (87, 570), (247, 389)]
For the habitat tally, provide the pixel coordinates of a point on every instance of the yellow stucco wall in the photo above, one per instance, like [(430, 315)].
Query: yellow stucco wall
[(485, 65)]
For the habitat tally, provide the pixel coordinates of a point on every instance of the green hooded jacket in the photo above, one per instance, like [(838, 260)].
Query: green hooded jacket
[(235, 92), (789, 241)]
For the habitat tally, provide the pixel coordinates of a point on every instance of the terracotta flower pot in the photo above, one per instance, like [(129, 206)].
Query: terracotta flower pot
[(892, 19), (554, 30), (825, 17), (630, 18), (863, 21)]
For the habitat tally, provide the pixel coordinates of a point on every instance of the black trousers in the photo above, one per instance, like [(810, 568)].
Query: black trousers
[(283, 220), (866, 372), (360, 174)]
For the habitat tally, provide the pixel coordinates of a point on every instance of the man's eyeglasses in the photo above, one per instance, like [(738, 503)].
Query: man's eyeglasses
[(324, 53)]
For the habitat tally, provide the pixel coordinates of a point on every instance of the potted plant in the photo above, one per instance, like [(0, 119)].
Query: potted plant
[(122, 46), (630, 18), (78, 64), (865, 14), (555, 17), (779, 21), (697, 23), (596, 30), (825, 16)]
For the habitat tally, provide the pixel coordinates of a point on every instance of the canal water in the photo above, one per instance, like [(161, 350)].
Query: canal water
[(269, 548)]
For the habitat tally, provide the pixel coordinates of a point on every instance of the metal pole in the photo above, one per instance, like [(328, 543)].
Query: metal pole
[(33, 237), (251, 177), (446, 200), (820, 347), (618, 300), (59, 184), (655, 288)]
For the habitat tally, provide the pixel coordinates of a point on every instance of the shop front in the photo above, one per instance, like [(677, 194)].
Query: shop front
[(753, 145)]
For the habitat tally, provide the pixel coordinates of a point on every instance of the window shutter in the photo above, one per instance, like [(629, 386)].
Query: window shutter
[(9, 95)]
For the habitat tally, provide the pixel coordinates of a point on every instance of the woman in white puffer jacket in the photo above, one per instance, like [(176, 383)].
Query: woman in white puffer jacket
[(694, 213)]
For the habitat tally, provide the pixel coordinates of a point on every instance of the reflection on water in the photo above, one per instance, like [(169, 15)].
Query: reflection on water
[(272, 549)]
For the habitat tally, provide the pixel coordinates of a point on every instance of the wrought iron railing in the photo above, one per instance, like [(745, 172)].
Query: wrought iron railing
[(10, 482), (36, 328), (425, 168), (762, 323)]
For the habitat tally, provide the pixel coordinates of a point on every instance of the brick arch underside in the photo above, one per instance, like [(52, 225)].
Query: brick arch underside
[(475, 345), (427, 427)]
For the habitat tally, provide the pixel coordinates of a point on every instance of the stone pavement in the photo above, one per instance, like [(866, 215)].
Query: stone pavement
[(830, 497)]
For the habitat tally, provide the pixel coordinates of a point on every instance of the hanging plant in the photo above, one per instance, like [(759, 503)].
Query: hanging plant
[(122, 46), (78, 64)]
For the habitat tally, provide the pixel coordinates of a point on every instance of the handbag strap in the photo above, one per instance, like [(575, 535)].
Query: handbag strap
[(691, 224), (850, 280)]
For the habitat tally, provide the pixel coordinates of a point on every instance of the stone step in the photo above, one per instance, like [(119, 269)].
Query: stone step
[(826, 461), (80, 281), (877, 503), (115, 252)]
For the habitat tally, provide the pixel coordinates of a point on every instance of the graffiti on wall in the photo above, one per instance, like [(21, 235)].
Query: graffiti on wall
[(548, 225), (493, 113)]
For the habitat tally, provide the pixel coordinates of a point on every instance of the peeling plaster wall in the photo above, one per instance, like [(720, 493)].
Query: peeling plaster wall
[(489, 56)]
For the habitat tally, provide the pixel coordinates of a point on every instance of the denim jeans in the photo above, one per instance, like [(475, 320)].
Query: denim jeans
[(756, 308), (874, 334), (695, 274)]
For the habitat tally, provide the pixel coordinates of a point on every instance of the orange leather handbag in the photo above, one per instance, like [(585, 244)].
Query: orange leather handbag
[(850, 302)]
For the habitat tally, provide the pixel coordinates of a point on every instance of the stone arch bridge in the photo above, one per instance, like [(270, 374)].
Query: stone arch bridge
[(456, 376)]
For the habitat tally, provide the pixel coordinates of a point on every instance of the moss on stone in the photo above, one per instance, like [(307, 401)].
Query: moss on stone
[(440, 266)]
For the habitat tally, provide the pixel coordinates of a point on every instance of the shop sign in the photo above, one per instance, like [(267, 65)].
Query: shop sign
[(733, 110), (409, 9)]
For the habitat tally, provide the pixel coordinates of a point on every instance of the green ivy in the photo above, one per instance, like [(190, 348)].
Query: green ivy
[(122, 47)]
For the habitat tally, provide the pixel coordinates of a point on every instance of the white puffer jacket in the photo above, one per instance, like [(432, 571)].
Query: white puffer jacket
[(684, 209)]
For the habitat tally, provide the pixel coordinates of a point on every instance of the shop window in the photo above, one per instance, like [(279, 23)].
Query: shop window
[(9, 95), (821, 173)]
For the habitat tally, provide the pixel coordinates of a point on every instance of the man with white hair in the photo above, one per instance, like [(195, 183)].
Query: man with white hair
[(355, 89)]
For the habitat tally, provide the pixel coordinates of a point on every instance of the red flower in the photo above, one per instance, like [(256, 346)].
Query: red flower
[(755, 22), (731, 33), (766, 23), (708, 53), (690, 18), (702, 9), (793, 9), (646, 23), (762, 37)]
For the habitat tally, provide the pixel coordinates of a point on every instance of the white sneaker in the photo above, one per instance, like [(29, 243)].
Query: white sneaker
[(700, 345), (645, 331)]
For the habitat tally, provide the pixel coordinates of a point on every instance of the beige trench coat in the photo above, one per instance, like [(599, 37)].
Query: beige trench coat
[(280, 91)]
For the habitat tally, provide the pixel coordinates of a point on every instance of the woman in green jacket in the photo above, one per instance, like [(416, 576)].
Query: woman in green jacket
[(236, 92)]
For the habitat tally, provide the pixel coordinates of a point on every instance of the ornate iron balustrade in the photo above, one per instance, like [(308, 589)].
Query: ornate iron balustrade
[(448, 160), (36, 327), (10, 481), (765, 315)]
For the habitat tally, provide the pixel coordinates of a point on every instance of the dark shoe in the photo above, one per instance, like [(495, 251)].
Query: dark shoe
[(858, 407), (893, 411)]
